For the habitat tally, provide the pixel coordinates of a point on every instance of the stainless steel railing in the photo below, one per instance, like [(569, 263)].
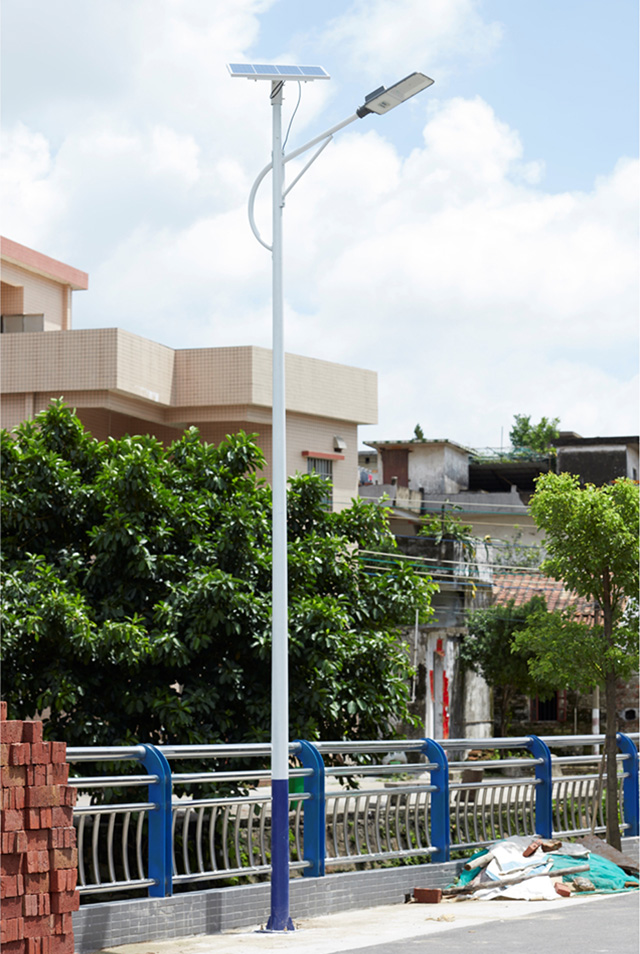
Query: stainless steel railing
[(219, 818)]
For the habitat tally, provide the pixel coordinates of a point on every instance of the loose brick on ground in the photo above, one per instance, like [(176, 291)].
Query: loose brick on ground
[(62, 923), (41, 752), (12, 775), (11, 731), (36, 882), (12, 886), (62, 838), (37, 861), (63, 857), (14, 819), (61, 817), (12, 907), (44, 796), (36, 904), (39, 926), (37, 839), (19, 753), (64, 879), (11, 930), (64, 902), (13, 798), (10, 865), (38, 945), (14, 947), (62, 944), (58, 751), (32, 731)]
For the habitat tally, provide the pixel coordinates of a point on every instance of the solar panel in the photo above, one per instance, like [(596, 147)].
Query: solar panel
[(274, 71)]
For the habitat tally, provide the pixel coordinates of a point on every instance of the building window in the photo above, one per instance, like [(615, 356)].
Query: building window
[(323, 468), (553, 709)]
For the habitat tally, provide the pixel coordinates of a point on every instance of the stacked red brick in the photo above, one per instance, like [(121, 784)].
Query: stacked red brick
[(38, 842)]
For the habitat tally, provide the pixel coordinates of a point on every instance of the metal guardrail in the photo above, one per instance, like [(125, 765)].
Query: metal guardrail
[(211, 826)]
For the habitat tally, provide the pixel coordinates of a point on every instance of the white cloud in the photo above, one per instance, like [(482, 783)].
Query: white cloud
[(30, 202), (380, 36)]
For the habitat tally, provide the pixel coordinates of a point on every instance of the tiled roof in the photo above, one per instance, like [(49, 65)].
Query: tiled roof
[(521, 587)]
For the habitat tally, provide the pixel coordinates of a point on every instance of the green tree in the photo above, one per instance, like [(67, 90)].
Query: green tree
[(137, 593), (592, 546), (446, 526), (418, 433), (536, 437), (489, 649)]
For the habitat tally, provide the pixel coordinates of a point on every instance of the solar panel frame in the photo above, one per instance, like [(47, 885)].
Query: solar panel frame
[(276, 71)]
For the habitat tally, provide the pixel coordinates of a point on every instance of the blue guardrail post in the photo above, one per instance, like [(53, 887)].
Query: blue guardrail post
[(160, 862), (440, 832), (544, 791), (314, 810), (630, 788)]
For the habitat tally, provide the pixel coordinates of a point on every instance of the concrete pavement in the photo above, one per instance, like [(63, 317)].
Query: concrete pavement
[(577, 925)]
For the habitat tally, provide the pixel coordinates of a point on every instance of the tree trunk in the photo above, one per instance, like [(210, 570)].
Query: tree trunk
[(611, 745), (611, 751)]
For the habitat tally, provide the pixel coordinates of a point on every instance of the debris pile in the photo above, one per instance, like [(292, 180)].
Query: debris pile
[(536, 869)]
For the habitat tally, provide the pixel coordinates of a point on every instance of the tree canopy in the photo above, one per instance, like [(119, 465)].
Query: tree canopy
[(591, 538), (535, 437), (137, 593)]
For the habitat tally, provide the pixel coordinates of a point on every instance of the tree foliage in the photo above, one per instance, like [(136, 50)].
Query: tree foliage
[(592, 546), (535, 437), (137, 593), (489, 649)]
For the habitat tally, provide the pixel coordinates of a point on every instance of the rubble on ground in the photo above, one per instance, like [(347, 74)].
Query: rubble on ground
[(525, 868)]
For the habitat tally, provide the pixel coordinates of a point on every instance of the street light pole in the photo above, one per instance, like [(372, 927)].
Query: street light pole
[(380, 101), (279, 920)]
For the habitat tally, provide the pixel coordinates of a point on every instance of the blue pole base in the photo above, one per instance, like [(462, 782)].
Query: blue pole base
[(280, 920)]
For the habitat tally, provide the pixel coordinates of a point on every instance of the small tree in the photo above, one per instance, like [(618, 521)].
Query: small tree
[(535, 437), (488, 649), (592, 545), (418, 433)]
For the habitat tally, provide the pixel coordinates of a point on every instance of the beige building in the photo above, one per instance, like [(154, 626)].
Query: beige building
[(121, 383)]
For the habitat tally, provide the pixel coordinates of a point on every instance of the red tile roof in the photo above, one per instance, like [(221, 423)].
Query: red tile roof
[(521, 587)]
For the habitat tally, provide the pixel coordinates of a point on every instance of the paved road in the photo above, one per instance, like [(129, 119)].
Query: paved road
[(608, 925), (584, 924)]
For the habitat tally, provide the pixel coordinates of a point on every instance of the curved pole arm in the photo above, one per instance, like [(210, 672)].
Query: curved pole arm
[(324, 138)]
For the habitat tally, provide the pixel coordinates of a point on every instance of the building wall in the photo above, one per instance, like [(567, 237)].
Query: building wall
[(438, 468), (41, 296), (594, 465), (121, 384)]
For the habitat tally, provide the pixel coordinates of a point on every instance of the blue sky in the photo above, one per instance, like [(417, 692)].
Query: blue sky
[(565, 74), (477, 247)]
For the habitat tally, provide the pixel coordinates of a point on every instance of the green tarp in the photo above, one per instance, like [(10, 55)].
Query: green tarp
[(606, 877)]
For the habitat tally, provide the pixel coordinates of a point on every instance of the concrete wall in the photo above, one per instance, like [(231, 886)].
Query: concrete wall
[(438, 468), (40, 295), (98, 926), (599, 462)]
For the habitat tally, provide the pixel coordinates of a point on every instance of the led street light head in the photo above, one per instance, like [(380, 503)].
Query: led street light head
[(382, 100)]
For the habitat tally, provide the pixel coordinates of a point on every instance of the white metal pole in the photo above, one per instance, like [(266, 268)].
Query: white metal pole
[(279, 920)]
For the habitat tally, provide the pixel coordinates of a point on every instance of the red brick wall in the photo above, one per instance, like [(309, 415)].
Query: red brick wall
[(37, 841)]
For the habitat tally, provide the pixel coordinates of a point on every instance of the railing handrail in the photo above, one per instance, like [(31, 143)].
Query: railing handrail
[(439, 797)]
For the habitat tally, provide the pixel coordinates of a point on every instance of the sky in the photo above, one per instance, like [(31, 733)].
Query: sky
[(477, 247)]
